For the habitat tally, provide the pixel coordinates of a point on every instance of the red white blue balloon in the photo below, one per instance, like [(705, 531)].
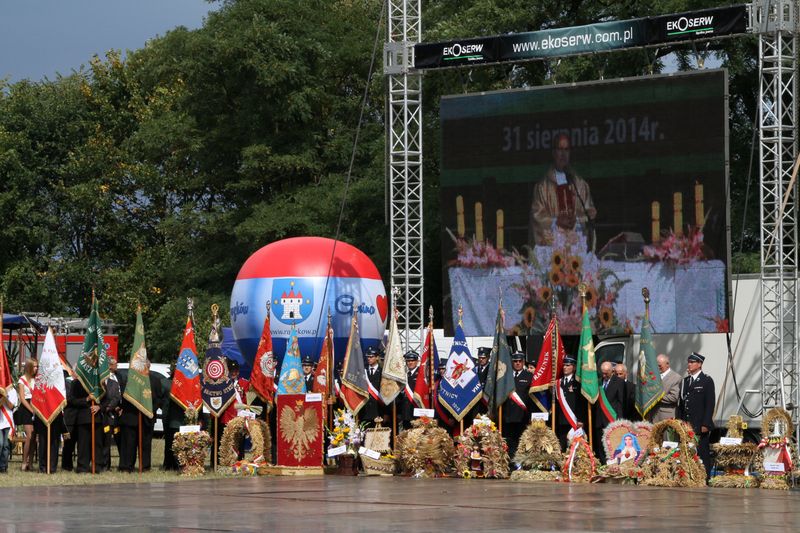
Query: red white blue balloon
[(303, 278)]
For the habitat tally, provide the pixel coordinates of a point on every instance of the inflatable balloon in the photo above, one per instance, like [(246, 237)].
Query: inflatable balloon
[(303, 278)]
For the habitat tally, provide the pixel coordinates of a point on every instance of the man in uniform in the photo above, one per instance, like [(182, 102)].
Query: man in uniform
[(308, 373), (696, 405), (614, 389), (571, 403), (374, 407), (405, 400), (671, 383), (517, 408)]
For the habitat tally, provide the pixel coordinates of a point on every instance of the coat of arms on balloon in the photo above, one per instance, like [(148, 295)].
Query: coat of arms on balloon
[(303, 279)]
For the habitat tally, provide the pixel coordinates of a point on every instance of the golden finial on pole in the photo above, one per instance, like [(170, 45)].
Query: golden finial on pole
[(582, 292), (214, 337), (460, 314), (646, 296), (430, 314)]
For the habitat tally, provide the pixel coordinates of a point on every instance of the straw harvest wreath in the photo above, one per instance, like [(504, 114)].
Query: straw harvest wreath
[(425, 450), (673, 467), (233, 436)]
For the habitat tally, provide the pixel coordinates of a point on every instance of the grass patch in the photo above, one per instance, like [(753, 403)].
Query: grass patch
[(17, 478)]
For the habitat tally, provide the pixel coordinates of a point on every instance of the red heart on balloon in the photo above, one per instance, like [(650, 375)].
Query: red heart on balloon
[(382, 303)]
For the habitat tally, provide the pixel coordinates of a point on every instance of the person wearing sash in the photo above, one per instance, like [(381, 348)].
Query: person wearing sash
[(374, 407), (8, 402), (405, 400), (518, 407), (23, 416), (571, 407)]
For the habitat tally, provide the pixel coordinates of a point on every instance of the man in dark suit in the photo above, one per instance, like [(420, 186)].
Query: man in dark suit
[(405, 400), (571, 411), (308, 373), (111, 411), (84, 410), (482, 369), (70, 429), (696, 405), (517, 408), (629, 411), (614, 389), (374, 408), (129, 427)]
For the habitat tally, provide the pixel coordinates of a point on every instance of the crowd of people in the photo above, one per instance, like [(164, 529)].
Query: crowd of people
[(116, 420)]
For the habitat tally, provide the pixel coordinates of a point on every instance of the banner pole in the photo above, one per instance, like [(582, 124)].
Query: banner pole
[(554, 364), (48, 448), (140, 442), (91, 404), (500, 419), (394, 419), (215, 443), (589, 409)]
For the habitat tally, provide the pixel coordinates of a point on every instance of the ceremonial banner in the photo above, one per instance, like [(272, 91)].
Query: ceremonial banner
[(186, 380), (92, 369), (326, 358), (137, 390), (428, 368), (5, 371), (587, 367), (262, 379), (355, 385), (500, 380), (300, 436), (461, 387), (548, 368), (49, 395), (6, 383), (218, 389), (649, 390), (292, 380), (393, 377)]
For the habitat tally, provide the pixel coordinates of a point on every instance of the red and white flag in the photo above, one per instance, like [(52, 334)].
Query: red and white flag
[(5, 379), (49, 395), (262, 378)]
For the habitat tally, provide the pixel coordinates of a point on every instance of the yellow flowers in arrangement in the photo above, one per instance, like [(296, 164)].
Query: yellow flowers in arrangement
[(346, 431)]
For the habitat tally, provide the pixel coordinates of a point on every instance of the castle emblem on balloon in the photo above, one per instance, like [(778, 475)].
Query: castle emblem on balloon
[(292, 300)]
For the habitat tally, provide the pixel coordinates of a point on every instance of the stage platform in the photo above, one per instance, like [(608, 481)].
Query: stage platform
[(332, 503)]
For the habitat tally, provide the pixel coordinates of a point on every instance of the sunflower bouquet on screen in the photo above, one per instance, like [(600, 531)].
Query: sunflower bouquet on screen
[(553, 274)]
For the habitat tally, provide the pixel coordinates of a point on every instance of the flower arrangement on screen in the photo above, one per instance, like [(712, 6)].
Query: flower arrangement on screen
[(554, 274), (472, 253), (678, 249)]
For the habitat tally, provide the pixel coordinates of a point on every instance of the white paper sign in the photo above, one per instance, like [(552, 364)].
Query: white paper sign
[(372, 454), (246, 414), (418, 411), (728, 441), (669, 444), (774, 467), (333, 452), (540, 416), (190, 429), (314, 397)]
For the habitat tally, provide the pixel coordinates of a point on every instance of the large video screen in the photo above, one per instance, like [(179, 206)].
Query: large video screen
[(612, 185)]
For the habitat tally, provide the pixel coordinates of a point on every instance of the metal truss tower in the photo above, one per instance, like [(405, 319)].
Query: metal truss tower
[(404, 134), (776, 23)]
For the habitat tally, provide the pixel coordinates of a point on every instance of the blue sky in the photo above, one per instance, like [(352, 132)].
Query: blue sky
[(40, 38)]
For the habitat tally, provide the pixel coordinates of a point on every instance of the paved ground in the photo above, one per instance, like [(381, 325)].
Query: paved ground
[(334, 503)]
